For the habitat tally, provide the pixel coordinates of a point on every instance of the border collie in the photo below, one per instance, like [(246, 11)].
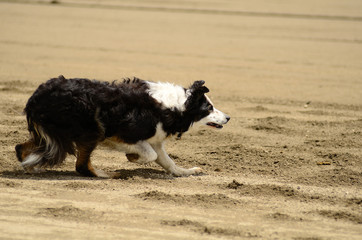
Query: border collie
[(72, 116)]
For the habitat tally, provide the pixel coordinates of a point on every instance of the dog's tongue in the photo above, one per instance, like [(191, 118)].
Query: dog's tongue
[(215, 125)]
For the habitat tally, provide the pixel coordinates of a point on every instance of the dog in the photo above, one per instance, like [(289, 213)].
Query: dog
[(72, 116)]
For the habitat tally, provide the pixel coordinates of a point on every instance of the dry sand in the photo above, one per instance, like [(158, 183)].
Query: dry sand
[(287, 166)]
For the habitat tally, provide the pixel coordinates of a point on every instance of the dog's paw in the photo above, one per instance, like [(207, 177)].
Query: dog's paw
[(182, 172), (132, 157), (34, 170), (115, 175), (102, 174), (196, 171)]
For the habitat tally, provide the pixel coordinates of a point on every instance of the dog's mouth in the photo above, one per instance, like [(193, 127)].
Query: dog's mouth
[(214, 125)]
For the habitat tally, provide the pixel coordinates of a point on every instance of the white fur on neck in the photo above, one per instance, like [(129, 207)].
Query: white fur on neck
[(168, 94)]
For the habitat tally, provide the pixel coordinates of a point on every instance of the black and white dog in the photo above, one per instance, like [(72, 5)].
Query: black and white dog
[(72, 116)]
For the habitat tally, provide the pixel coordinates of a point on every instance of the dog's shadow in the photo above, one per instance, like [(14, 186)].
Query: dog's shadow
[(147, 173), (123, 174)]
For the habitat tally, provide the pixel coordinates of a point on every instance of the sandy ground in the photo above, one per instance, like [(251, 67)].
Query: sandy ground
[(287, 166)]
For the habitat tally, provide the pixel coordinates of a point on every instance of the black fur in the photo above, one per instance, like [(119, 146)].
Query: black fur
[(80, 112)]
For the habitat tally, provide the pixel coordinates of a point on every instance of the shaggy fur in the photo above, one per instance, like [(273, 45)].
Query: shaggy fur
[(72, 116)]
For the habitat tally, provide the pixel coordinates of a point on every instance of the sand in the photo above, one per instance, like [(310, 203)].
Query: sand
[(287, 166)]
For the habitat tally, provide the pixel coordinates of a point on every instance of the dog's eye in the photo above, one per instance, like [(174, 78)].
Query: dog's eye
[(210, 108)]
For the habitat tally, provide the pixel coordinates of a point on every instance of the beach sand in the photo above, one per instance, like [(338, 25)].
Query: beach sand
[(288, 165)]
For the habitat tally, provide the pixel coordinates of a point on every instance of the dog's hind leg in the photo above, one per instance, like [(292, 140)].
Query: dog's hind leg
[(169, 165), (140, 152), (83, 164)]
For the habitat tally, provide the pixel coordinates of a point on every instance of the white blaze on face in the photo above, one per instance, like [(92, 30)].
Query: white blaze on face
[(209, 100), (215, 119), (168, 94)]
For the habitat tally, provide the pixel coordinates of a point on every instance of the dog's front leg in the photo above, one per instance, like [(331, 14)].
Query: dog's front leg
[(169, 165)]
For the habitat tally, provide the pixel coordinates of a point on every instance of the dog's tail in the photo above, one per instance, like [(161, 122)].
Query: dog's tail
[(43, 149)]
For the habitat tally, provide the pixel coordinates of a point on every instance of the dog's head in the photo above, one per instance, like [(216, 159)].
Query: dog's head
[(201, 108)]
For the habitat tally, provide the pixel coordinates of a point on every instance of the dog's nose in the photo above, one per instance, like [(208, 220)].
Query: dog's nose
[(227, 118)]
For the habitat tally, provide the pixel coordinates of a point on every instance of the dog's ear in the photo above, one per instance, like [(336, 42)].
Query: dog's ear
[(198, 87), (61, 77), (195, 92)]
